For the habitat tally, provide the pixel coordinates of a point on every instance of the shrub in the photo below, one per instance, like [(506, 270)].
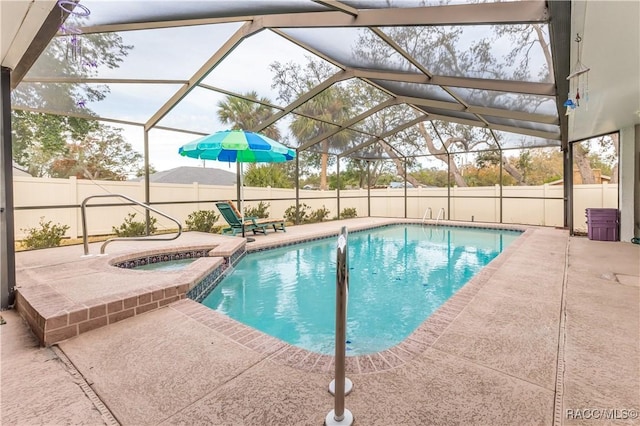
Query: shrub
[(319, 215), (349, 213), (202, 220), (47, 235), (261, 211), (217, 229), (303, 214), (131, 228)]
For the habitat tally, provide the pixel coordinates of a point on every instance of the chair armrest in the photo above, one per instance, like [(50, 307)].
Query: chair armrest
[(251, 219)]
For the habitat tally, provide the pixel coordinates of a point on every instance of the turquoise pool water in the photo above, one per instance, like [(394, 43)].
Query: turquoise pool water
[(171, 265), (398, 276)]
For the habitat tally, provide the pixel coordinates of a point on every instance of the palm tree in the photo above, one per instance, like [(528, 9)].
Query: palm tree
[(332, 105), (242, 114)]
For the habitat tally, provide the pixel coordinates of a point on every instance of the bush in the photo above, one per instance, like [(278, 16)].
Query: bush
[(131, 228), (319, 215), (303, 214), (348, 213), (202, 221), (261, 211), (47, 235)]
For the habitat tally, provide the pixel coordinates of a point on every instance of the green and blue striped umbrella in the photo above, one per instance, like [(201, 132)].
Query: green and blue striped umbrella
[(237, 146)]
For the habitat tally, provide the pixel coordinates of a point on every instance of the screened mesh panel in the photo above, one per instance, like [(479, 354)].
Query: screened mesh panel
[(425, 91), (164, 53), (509, 140), (348, 46), (143, 66), (109, 12), (506, 52), (509, 101)]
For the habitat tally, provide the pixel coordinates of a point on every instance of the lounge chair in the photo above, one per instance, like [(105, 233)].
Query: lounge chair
[(277, 224), (233, 217)]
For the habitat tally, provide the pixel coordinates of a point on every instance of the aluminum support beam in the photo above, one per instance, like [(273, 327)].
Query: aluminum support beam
[(347, 124), (245, 31), (339, 76), (465, 14), (384, 135), (480, 110), (339, 6), (7, 239), (560, 39), (96, 80), (542, 89), (510, 129)]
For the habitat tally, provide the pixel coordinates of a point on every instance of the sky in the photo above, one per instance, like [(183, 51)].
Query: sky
[(246, 68)]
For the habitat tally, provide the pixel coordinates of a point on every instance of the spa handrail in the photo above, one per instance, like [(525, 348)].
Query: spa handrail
[(84, 222)]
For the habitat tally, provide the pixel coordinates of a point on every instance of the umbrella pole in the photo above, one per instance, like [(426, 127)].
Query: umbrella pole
[(241, 192), (242, 202)]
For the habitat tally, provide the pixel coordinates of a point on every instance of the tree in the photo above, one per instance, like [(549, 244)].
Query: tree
[(432, 177), (103, 154), (40, 139), (242, 114), (271, 174), (597, 153), (449, 51), (330, 106), (528, 167), (140, 170)]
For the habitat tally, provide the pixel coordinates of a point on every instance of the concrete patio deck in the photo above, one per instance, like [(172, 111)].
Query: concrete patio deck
[(548, 333)]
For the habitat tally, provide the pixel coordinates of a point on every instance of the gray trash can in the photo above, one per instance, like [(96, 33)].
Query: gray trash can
[(602, 224)]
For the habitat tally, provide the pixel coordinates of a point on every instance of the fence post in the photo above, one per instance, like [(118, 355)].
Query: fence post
[(73, 200), (497, 205), (545, 194)]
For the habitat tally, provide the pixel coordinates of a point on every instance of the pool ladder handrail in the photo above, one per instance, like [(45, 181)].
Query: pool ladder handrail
[(438, 218), (136, 202), (424, 216)]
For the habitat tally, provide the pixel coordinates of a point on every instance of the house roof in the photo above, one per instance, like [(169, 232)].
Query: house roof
[(19, 170), (187, 175)]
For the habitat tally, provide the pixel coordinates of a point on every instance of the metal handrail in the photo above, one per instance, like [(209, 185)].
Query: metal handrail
[(424, 216), (440, 211), (85, 241), (341, 385)]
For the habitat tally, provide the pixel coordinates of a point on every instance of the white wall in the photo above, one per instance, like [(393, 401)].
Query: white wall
[(533, 205), (629, 183)]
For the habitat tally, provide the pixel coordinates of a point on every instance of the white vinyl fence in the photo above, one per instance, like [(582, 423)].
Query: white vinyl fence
[(59, 200)]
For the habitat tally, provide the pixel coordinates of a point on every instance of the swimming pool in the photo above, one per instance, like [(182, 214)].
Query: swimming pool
[(399, 275)]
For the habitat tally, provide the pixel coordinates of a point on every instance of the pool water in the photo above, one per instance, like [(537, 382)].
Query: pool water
[(398, 276), (170, 265)]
